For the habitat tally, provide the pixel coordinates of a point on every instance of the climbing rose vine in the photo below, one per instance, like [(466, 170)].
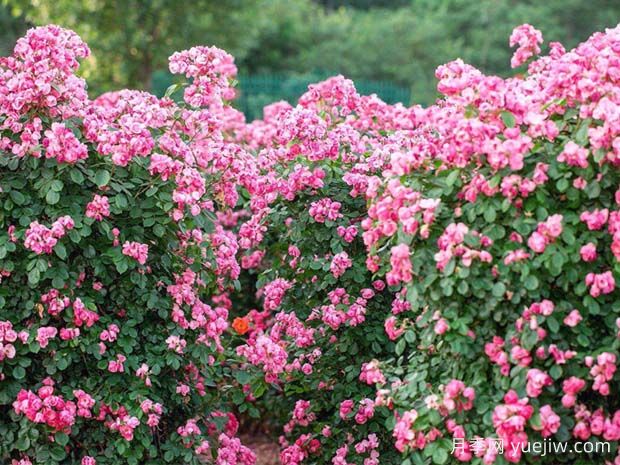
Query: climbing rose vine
[(370, 283)]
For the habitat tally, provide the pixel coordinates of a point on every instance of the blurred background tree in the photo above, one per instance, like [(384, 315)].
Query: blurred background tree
[(282, 45)]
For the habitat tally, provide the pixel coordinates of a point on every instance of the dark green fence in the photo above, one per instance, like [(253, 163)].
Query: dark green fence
[(256, 91)]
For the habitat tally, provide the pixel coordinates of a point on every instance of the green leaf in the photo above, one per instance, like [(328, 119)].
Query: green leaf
[(159, 230), (60, 250), (18, 197), (556, 372), (583, 340), (121, 201), (58, 453), (557, 262), (593, 190), (122, 266), (553, 324), (19, 372), (508, 119), (102, 177), (34, 276), (530, 283), (61, 439), (56, 185), (22, 443), (452, 177), (498, 289), (568, 235), (52, 197), (243, 377), (581, 136), (62, 363), (490, 215), (529, 340), (172, 89), (562, 184), (449, 269), (440, 456), (77, 176)]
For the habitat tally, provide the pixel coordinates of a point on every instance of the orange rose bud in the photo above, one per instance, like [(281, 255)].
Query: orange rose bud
[(241, 325)]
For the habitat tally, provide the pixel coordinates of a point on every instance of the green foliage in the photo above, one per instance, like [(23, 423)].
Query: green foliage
[(36, 189), (482, 301), (334, 377)]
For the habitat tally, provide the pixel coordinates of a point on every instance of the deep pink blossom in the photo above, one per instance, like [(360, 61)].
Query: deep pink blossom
[(137, 251), (98, 208), (528, 39)]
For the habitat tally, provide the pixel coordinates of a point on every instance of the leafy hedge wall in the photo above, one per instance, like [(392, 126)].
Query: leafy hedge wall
[(376, 283)]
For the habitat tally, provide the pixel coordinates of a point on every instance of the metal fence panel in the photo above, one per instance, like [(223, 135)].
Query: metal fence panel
[(256, 91)]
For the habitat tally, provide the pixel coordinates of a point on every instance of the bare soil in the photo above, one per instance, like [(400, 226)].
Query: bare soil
[(266, 449)]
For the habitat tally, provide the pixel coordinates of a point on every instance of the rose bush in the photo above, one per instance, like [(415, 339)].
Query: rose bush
[(114, 269), (501, 224), (321, 312), (490, 219), (377, 283)]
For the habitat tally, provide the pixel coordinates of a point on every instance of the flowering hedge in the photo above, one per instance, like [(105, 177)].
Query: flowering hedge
[(420, 277), (502, 226), (112, 268), (322, 313)]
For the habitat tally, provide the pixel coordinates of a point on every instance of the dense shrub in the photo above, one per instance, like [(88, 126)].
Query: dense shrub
[(112, 268), (322, 312), (491, 220), (502, 225), (378, 283)]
